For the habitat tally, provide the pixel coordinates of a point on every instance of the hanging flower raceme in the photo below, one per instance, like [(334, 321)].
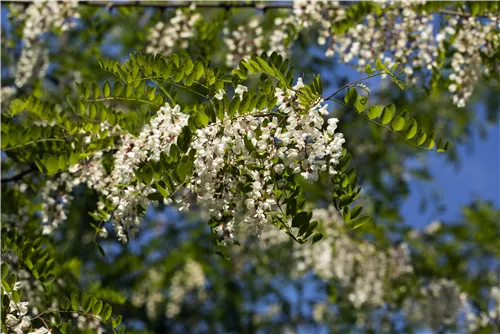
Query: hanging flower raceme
[(130, 197), (177, 31), (40, 17), (240, 162)]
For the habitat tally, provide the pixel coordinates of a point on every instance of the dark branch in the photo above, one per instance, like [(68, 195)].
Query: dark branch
[(220, 4), (19, 176)]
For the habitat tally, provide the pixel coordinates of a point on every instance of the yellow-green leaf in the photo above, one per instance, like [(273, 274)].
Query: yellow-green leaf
[(398, 123), (411, 130), (421, 138), (374, 112), (106, 89)]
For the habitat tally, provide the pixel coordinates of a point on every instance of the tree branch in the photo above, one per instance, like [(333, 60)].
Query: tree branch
[(215, 4), (19, 176)]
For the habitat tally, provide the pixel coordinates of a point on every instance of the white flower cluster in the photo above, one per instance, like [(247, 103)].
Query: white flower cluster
[(242, 41), (364, 272), (6, 94), (439, 303), (164, 37), (468, 37), (149, 293), (127, 196), (252, 149), (398, 34), (41, 17), (191, 277), (475, 321), (255, 150), (17, 320), (55, 195)]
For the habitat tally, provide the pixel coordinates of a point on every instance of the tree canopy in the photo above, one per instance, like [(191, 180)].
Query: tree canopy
[(240, 166)]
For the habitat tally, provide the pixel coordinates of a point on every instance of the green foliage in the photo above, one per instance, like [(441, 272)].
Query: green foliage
[(54, 123), (401, 124), (274, 66), (345, 192)]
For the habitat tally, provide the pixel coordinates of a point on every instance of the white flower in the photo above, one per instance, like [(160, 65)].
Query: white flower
[(279, 168), (41, 330), (240, 90), (220, 94)]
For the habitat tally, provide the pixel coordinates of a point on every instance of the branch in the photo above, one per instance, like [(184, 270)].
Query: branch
[(263, 5), (177, 4), (19, 176)]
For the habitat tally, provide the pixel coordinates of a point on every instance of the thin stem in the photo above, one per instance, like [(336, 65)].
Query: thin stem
[(32, 142), (164, 90), (220, 4), (72, 311), (19, 176), (352, 83), (379, 124), (191, 90), (120, 99)]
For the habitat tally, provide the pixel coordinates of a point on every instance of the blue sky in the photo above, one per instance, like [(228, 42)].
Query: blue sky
[(477, 178)]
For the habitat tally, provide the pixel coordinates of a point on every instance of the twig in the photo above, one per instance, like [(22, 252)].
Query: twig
[(215, 4), (19, 176), (352, 83)]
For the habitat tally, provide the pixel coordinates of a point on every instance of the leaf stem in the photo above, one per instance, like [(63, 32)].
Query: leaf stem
[(32, 142)]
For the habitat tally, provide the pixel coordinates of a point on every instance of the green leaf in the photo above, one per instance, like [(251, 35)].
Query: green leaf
[(178, 74), (188, 65), (202, 119), (368, 69), (52, 164), (117, 321), (88, 303), (442, 147), (100, 249), (118, 88), (84, 299), (106, 312), (300, 219), (65, 303), (199, 70), (233, 106), (360, 104), (11, 281), (431, 141), (421, 138), (181, 171), (291, 207), (351, 96), (147, 174), (356, 211), (106, 89), (361, 221), (74, 302), (317, 237), (189, 80), (387, 113), (374, 112), (97, 308), (398, 123), (411, 130), (162, 191), (5, 269)]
